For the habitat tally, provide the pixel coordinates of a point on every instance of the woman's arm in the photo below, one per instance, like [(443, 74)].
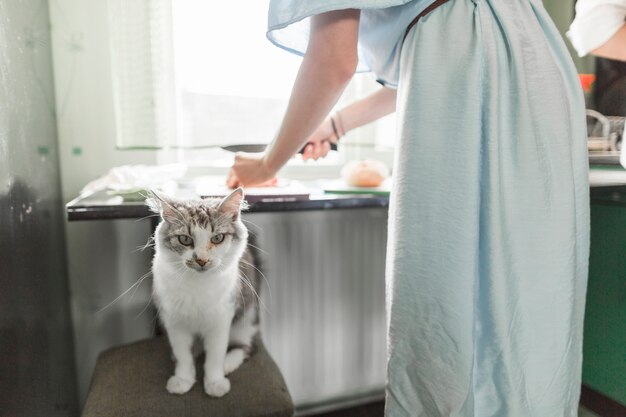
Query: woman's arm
[(598, 28), (615, 47), (357, 114), (326, 69)]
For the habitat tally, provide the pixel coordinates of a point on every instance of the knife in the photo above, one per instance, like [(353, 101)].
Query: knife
[(253, 148)]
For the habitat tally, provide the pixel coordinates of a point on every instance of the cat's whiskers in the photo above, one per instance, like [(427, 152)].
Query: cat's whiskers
[(262, 276), (247, 284), (246, 281), (148, 216), (136, 284), (251, 222), (250, 231), (149, 244), (137, 287), (258, 248), (146, 306)]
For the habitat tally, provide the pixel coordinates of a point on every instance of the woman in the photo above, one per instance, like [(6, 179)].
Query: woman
[(488, 225)]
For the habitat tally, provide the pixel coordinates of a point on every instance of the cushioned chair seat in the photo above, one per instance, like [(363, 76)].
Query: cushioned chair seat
[(129, 381)]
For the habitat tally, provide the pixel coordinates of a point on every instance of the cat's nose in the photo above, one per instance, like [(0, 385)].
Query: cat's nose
[(201, 262)]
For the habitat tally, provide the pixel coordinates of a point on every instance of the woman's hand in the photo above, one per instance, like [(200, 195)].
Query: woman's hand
[(250, 170), (318, 144), (373, 107)]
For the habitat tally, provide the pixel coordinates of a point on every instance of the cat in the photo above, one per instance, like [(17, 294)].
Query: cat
[(205, 286)]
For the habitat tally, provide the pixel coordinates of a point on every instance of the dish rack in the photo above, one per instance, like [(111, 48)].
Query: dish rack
[(604, 137)]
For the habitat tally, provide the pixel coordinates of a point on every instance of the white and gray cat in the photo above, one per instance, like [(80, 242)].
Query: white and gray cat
[(205, 287)]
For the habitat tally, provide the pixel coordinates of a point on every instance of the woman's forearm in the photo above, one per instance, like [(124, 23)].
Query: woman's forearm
[(371, 108), (357, 114), (326, 69)]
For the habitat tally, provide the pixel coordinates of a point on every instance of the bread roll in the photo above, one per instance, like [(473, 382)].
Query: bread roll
[(365, 173)]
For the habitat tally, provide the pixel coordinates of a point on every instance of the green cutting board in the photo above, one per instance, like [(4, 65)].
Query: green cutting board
[(340, 187)]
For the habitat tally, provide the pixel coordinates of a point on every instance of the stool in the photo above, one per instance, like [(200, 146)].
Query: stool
[(129, 381)]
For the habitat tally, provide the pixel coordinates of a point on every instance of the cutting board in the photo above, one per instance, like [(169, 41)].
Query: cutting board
[(340, 187), (283, 191)]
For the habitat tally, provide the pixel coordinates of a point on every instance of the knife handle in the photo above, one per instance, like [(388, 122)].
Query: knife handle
[(333, 147)]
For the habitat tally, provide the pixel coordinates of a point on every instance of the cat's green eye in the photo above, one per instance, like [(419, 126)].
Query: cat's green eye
[(185, 240), (218, 238)]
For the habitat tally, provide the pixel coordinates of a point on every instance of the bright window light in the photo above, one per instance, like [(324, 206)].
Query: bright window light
[(232, 84)]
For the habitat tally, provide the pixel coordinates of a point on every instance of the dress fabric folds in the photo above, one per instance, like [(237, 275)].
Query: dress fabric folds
[(489, 223)]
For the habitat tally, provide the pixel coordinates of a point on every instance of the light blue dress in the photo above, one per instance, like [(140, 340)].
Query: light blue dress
[(489, 218)]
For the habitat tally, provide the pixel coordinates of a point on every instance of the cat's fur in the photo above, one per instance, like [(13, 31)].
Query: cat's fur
[(215, 302)]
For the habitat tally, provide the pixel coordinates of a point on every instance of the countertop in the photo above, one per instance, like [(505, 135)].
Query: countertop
[(102, 206), (608, 187)]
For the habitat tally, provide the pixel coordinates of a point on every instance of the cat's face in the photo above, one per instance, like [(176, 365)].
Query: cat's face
[(202, 235)]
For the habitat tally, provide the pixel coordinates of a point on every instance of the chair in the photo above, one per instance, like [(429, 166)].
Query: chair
[(129, 381)]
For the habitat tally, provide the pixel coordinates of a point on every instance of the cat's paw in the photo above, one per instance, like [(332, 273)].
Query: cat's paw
[(233, 360), (217, 388), (176, 385)]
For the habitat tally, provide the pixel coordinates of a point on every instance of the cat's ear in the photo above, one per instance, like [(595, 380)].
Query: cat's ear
[(233, 204), (161, 204)]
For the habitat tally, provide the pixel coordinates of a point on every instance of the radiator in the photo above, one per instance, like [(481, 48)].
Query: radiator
[(323, 313)]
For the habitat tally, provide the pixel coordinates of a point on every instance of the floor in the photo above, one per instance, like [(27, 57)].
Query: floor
[(377, 410)]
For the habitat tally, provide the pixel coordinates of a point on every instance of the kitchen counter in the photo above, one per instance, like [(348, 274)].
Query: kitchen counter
[(102, 206), (608, 187)]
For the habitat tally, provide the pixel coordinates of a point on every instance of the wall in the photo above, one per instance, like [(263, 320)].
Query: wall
[(562, 12), (82, 76), (36, 351), (102, 262)]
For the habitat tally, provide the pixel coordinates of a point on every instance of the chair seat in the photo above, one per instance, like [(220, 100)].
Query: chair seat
[(129, 381)]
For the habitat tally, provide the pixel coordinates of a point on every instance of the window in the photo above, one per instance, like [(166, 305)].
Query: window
[(232, 85), (193, 75)]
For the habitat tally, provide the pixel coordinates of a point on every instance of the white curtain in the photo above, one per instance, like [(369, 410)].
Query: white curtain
[(143, 72)]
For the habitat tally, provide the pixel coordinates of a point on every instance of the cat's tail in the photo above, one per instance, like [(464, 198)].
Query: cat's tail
[(234, 358)]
